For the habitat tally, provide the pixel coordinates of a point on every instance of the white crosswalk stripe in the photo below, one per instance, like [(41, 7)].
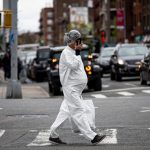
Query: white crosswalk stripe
[(111, 137), (125, 93), (2, 132), (42, 139), (99, 96), (146, 91)]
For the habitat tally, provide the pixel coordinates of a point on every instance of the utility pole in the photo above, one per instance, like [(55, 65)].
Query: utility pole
[(13, 86)]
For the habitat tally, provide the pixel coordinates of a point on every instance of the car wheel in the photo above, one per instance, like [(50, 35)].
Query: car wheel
[(118, 77), (142, 81), (98, 84), (112, 76), (55, 90)]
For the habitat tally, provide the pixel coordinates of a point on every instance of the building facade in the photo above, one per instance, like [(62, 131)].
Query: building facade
[(115, 18), (47, 26), (62, 18)]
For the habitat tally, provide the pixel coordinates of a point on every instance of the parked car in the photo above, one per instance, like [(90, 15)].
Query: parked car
[(104, 59), (145, 69), (126, 59), (37, 68), (92, 69)]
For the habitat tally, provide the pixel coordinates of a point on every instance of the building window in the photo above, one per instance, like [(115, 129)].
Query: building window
[(49, 14), (49, 37), (49, 29), (49, 22)]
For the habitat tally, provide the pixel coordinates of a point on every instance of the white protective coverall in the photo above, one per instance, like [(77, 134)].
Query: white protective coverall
[(73, 79)]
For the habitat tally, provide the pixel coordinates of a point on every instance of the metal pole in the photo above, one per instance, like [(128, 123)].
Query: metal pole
[(13, 87)]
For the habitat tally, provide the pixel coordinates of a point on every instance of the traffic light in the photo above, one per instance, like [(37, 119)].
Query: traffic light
[(103, 37), (7, 19)]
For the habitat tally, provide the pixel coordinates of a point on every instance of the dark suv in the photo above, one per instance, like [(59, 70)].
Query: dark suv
[(92, 69), (126, 59), (37, 68), (145, 69)]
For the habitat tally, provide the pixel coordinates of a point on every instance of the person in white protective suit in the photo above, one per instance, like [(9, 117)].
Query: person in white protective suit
[(73, 79)]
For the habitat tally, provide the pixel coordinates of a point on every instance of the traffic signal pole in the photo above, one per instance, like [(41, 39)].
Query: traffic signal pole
[(13, 86)]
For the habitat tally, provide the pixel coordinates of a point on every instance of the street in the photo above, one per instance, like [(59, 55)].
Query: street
[(122, 111)]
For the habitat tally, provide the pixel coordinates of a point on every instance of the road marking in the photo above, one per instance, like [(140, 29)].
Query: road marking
[(105, 86), (111, 137), (146, 91), (130, 84), (125, 93), (1, 108), (145, 111), (99, 96), (42, 139), (125, 89), (2, 132)]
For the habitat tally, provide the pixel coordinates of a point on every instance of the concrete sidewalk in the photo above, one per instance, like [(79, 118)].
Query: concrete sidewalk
[(28, 91)]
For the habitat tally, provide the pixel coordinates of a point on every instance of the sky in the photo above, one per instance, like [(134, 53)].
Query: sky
[(29, 14)]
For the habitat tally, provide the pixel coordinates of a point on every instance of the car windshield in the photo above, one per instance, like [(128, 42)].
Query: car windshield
[(57, 55), (43, 54), (106, 52), (84, 53), (132, 51)]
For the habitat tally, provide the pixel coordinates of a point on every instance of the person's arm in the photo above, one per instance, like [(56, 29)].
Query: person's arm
[(72, 61)]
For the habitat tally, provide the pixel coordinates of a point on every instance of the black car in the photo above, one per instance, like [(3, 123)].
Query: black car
[(104, 59), (37, 68), (145, 69), (92, 69), (126, 59)]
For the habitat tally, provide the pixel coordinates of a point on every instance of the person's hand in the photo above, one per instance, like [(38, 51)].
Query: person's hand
[(78, 46)]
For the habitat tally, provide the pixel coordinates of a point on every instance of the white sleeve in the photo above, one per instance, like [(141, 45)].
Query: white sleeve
[(72, 61)]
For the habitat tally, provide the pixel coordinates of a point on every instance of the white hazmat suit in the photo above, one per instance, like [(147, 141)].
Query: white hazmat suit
[(73, 79)]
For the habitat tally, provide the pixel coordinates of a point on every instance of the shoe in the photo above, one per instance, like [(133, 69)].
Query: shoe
[(56, 140), (97, 139)]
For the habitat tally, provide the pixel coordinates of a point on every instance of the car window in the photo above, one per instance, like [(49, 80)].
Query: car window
[(84, 53), (57, 55), (132, 51), (106, 53), (43, 54)]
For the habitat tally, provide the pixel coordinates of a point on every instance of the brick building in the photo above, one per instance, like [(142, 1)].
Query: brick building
[(47, 26), (62, 16)]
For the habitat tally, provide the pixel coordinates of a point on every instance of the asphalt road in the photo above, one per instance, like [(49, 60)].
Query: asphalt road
[(122, 112)]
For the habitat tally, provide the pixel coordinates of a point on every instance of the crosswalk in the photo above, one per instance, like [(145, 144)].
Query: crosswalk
[(108, 94), (42, 138), (114, 136)]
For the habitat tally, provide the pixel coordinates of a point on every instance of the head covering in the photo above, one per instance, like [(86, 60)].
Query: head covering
[(73, 35)]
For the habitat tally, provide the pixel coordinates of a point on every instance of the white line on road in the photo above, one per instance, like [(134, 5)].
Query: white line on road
[(42, 139), (125, 93), (99, 96), (129, 84), (111, 137), (146, 91), (2, 132), (105, 86), (145, 111), (125, 89), (1, 108)]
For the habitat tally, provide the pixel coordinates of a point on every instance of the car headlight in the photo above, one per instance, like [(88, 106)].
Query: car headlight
[(120, 62)]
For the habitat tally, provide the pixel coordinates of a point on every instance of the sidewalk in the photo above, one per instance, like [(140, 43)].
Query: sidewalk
[(28, 91)]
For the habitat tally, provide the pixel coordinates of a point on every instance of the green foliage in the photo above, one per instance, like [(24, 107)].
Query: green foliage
[(86, 30)]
